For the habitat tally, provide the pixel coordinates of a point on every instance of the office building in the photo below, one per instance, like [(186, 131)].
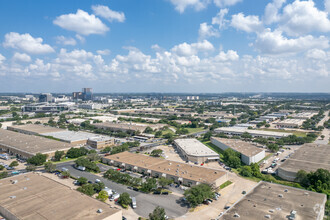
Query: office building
[(195, 151), (249, 153), (45, 97), (85, 95)]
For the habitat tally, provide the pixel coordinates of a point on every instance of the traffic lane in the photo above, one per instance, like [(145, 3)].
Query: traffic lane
[(146, 202)]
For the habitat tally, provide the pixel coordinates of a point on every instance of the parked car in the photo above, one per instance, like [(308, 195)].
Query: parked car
[(206, 202), (156, 192), (227, 207), (164, 193), (97, 181), (134, 203)]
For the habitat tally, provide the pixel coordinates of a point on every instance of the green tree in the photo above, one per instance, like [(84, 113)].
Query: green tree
[(197, 194), (158, 214), (246, 171), (93, 157), (3, 174), (13, 164), (38, 159), (158, 134), (207, 136), (82, 181), (124, 200), (162, 181), (103, 195), (148, 185), (234, 162), (58, 155), (148, 130), (272, 147), (76, 152), (65, 174), (50, 167), (2, 167), (156, 153), (302, 178), (31, 167), (87, 189), (246, 136), (98, 186)]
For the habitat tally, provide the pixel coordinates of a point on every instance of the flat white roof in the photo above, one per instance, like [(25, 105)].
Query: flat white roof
[(194, 147), (251, 131), (74, 135)]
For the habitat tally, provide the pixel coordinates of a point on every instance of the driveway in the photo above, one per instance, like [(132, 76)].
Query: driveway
[(146, 203)]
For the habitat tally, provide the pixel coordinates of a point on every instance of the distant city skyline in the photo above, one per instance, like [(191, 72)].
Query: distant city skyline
[(165, 46)]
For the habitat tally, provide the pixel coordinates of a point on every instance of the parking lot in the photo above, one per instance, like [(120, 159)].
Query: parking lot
[(146, 203)]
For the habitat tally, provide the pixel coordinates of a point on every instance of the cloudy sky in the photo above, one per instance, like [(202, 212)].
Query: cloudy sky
[(165, 45)]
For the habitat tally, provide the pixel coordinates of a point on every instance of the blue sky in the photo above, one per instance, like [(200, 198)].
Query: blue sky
[(165, 46)]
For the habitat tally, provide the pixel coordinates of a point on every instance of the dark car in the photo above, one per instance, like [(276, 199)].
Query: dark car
[(164, 193), (156, 193), (227, 207), (135, 189), (90, 181), (124, 218), (206, 202)]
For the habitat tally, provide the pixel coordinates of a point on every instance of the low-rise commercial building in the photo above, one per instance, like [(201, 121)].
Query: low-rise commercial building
[(308, 157), (290, 123), (249, 153), (274, 201), (74, 138), (254, 133), (303, 115), (48, 107), (180, 173), (127, 127), (195, 151), (34, 196), (26, 146)]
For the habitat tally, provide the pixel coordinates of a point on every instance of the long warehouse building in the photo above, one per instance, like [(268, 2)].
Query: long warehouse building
[(254, 133), (33, 196), (275, 201), (249, 153), (180, 173), (308, 157), (26, 146)]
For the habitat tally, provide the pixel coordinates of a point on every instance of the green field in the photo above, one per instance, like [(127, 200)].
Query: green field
[(297, 133), (195, 130), (213, 147)]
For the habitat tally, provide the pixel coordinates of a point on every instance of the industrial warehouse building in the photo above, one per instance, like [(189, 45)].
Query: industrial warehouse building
[(127, 127), (34, 196), (290, 123), (308, 157), (249, 153), (26, 146), (274, 201), (72, 137), (194, 151), (180, 173), (254, 133), (303, 115)]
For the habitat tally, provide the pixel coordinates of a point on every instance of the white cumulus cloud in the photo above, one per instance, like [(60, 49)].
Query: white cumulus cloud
[(186, 50), (181, 5), (275, 43), (249, 23), (105, 12), (22, 57), (66, 40), (206, 31), (81, 23), (219, 19), (26, 43), (103, 52), (224, 3), (271, 11)]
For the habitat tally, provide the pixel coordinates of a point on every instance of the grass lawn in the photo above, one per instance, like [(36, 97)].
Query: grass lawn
[(65, 160), (297, 133), (194, 130), (168, 131), (227, 183)]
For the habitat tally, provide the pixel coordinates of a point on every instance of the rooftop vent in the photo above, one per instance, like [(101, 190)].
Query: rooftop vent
[(286, 190), (99, 211), (271, 210), (12, 197), (236, 215), (280, 195), (24, 188), (267, 216)]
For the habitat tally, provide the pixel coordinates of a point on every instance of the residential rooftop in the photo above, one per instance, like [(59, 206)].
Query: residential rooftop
[(194, 147), (30, 143), (242, 147), (308, 157), (196, 173), (33, 196), (277, 201)]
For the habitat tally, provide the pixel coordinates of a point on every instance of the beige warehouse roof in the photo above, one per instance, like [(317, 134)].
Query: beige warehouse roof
[(30, 143), (39, 129), (196, 173), (38, 197), (240, 146)]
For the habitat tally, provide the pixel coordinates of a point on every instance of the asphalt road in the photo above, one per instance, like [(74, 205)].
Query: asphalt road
[(146, 203)]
